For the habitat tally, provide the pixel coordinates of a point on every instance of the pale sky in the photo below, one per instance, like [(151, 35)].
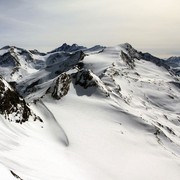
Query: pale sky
[(149, 25)]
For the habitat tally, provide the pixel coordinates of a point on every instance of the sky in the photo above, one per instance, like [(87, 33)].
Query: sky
[(148, 25)]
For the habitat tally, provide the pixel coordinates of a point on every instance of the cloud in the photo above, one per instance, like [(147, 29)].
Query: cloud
[(10, 3), (46, 24)]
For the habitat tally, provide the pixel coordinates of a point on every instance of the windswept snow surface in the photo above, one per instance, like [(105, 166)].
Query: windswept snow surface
[(119, 120), (5, 173)]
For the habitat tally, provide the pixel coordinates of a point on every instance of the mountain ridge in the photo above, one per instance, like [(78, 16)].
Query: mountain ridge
[(86, 113)]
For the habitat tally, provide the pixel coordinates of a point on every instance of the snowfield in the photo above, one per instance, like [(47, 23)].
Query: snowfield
[(103, 113)]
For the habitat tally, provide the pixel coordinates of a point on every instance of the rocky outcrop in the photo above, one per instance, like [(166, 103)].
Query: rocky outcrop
[(9, 59), (84, 78), (132, 53), (68, 48), (173, 61), (128, 60), (36, 52), (13, 55), (129, 54), (174, 64), (87, 79), (60, 86), (12, 106)]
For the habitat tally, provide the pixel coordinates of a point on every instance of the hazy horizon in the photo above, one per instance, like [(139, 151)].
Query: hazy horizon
[(151, 26)]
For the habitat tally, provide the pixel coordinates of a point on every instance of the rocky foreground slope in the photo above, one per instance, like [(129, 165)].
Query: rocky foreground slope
[(89, 113)]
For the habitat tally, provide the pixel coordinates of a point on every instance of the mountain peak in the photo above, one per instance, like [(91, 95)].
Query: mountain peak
[(6, 47), (68, 48)]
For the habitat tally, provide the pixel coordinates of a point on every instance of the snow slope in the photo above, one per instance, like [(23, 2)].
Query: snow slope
[(107, 113)]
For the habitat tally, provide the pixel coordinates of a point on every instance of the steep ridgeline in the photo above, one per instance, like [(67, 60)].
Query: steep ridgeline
[(74, 48), (68, 48), (172, 64), (12, 106)]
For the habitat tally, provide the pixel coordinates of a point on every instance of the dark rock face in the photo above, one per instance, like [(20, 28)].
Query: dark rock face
[(177, 84), (84, 78), (171, 64), (155, 60), (15, 175), (133, 53), (12, 106), (68, 48), (172, 68), (61, 86), (89, 83), (128, 60), (9, 59), (173, 61), (67, 62), (36, 52), (174, 64), (57, 57)]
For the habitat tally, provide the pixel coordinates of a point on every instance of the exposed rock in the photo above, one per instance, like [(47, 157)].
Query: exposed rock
[(12, 105), (84, 78), (15, 175), (177, 84), (130, 54), (9, 59), (133, 53), (60, 86), (173, 61), (50, 72), (36, 52), (128, 60), (57, 57), (80, 65), (68, 48), (87, 79), (107, 77), (151, 58)]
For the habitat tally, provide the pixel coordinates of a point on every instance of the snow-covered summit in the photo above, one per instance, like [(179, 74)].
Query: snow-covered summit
[(174, 65), (174, 60)]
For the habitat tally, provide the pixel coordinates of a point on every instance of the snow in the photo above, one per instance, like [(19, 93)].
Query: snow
[(133, 133), (5, 173)]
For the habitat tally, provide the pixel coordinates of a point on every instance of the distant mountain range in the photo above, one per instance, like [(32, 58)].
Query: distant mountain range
[(89, 113)]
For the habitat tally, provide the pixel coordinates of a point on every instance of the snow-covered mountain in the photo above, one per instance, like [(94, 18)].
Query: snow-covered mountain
[(88, 114), (174, 63)]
